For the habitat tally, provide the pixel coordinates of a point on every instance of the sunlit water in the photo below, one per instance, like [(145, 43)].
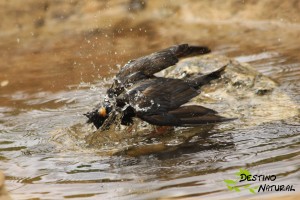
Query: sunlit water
[(44, 154)]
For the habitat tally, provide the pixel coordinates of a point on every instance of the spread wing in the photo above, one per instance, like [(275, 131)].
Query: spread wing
[(158, 95), (145, 67), (159, 101), (155, 62), (186, 116)]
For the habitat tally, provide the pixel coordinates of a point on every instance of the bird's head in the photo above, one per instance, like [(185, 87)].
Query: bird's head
[(99, 114)]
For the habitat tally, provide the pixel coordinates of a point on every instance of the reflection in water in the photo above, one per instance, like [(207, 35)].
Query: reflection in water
[(47, 151)]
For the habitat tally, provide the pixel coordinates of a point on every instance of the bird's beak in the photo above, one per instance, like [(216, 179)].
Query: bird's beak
[(102, 112)]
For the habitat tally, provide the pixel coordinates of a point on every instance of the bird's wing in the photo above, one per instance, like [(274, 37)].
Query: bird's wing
[(158, 95), (148, 65), (185, 116), (145, 67)]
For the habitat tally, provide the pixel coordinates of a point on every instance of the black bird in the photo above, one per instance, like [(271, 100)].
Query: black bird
[(136, 92)]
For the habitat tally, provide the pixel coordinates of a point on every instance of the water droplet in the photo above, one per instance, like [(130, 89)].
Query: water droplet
[(93, 88), (4, 83)]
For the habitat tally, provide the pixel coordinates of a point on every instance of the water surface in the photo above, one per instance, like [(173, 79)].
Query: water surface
[(45, 156)]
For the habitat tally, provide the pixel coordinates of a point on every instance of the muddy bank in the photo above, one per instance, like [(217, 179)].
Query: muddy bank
[(63, 17)]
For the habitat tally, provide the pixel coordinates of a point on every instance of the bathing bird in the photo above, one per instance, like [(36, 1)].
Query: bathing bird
[(137, 92)]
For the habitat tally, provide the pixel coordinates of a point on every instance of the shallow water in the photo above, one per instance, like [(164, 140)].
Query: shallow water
[(44, 153)]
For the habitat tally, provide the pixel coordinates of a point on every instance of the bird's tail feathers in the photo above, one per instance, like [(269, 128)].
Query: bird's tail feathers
[(199, 80)]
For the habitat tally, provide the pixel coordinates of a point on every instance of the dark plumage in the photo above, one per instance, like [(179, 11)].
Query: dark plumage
[(136, 92)]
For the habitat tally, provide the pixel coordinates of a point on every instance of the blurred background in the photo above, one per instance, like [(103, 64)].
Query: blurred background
[(57, 57), (46, 45)]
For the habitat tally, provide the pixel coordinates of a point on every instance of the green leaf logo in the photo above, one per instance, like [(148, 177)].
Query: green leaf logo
[(242, 171), (252, 190), (232, 184)]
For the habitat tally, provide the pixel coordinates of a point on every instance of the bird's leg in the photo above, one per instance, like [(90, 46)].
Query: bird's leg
[(158, 130)]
